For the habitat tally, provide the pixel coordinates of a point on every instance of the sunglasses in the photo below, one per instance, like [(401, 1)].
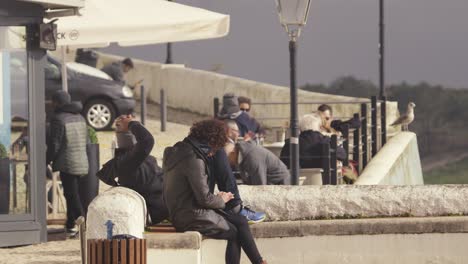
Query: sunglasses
[(245, 109)]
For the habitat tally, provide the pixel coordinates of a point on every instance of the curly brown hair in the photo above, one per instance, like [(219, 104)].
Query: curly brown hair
[(212, 132)]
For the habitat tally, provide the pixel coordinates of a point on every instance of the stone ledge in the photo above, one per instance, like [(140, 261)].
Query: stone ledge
[(379, 226), (296, 203), (187, 240)]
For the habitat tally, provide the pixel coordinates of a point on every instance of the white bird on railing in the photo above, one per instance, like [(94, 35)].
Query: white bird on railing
[(406, 119)]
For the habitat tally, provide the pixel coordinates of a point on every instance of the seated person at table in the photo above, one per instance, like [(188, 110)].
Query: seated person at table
[(310, 144), (329, 125), (249, 128)]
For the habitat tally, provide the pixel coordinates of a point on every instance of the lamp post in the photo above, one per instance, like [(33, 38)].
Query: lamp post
[(381, 49), (293, 16), (169, 50)]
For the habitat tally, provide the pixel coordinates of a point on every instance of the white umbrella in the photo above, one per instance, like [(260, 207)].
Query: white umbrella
[(139, 22), (131, 23)]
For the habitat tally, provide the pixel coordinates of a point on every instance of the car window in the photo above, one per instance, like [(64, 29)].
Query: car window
[(52, 71)]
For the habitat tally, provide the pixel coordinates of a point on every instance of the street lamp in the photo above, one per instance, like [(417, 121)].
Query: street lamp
[(381, 49), (293, 16)]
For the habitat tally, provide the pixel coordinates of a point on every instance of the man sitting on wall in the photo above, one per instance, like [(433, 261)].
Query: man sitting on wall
[(135, 168)]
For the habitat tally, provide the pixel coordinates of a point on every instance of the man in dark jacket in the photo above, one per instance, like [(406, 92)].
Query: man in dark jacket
[(257, 165), (326, 113), (66, 149), (248, 126), (135, 168)]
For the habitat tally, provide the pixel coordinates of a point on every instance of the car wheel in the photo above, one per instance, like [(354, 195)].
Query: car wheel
[(99, 114)]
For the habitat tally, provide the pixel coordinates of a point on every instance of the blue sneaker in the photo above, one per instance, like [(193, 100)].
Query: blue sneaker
[(252, 216)]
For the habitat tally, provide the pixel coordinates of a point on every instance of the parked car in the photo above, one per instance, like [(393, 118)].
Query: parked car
[(103, 99)]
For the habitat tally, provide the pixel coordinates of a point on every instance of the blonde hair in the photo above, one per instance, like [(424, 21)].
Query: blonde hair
[(310, 122)]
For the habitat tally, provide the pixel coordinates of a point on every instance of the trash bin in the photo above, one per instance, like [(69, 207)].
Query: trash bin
[(4, 185), (89, 184), (87, 56), (116, 251)]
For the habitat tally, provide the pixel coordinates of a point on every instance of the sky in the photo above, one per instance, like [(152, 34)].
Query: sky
[(426, 40)]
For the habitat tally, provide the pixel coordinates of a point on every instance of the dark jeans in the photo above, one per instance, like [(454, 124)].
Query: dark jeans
[(222, 175), (238, 236), (70, 185)]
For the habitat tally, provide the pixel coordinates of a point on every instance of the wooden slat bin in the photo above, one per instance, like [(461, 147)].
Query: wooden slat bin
[(116, 251)]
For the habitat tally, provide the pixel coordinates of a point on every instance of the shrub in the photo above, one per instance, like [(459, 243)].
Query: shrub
[(92, 135), (3, 152)]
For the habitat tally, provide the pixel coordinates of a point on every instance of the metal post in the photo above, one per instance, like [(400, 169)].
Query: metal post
[(294, 139), (326, 164), (374, 139), (383, 119), (381, 49), (64, 69), (163, 110), (215, 106), (169, 53), (346, 144), (364, 135), (356, 145), (333, 161), (143, 104)]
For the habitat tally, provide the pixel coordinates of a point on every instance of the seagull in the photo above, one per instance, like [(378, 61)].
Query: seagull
[(406, 119)]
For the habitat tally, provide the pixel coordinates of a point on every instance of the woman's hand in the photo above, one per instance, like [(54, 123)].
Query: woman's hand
[(226, 196)]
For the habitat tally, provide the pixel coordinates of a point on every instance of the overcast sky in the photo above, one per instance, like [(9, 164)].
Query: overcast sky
[(427, 40)]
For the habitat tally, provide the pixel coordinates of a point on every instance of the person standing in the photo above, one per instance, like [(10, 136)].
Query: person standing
[(66, 150)]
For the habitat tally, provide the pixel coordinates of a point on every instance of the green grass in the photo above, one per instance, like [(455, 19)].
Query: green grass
[(453, 173)]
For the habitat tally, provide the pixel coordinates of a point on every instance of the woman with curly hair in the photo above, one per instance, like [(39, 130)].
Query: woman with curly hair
[(192, 207)]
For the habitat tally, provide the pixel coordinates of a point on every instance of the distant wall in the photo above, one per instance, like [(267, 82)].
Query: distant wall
[(194, 90), (397, 163)]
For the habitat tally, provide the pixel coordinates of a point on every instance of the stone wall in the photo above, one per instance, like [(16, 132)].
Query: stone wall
[(194, 90), (291, 203), (397, 163)]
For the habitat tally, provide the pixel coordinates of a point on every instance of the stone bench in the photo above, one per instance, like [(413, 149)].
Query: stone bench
[(327, 240)]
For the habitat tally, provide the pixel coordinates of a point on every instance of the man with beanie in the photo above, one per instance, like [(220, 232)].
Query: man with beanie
[(133, 166), (66, 149), (248, 126)]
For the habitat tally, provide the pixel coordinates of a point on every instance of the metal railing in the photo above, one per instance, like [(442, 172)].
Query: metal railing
[(356, 142)]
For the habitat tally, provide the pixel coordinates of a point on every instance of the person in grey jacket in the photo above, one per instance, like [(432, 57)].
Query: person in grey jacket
[(66, 150), (257, 165), (192, 207), (117, 69)]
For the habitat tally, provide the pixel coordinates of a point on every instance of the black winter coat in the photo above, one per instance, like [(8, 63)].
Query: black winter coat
[(310, 150), (137, 170), (192, 207)]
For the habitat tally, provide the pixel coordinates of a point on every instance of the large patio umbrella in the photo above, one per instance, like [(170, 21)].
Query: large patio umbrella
[(137, 22)]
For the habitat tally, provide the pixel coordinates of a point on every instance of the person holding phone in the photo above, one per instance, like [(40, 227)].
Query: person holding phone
[(192, 207)]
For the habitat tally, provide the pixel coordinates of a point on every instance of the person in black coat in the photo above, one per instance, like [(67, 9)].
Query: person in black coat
[(135, 168), (310, 144)]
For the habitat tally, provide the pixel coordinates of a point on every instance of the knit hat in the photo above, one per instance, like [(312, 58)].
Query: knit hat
[(230, 106), (125, 140), (61, 98)]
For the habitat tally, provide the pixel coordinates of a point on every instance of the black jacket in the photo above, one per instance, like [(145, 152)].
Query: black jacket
[(339, 125), (136, 169), (186, 192), (310, 150), (67, 139)]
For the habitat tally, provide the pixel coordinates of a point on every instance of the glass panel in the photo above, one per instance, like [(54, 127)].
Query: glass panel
[(14, 140), (293, 12)]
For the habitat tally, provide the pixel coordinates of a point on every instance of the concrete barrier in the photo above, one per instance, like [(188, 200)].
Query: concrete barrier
[(393, 240), (397, 163)]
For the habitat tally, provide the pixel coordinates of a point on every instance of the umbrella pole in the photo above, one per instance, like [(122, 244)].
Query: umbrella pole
[(64, 71)]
